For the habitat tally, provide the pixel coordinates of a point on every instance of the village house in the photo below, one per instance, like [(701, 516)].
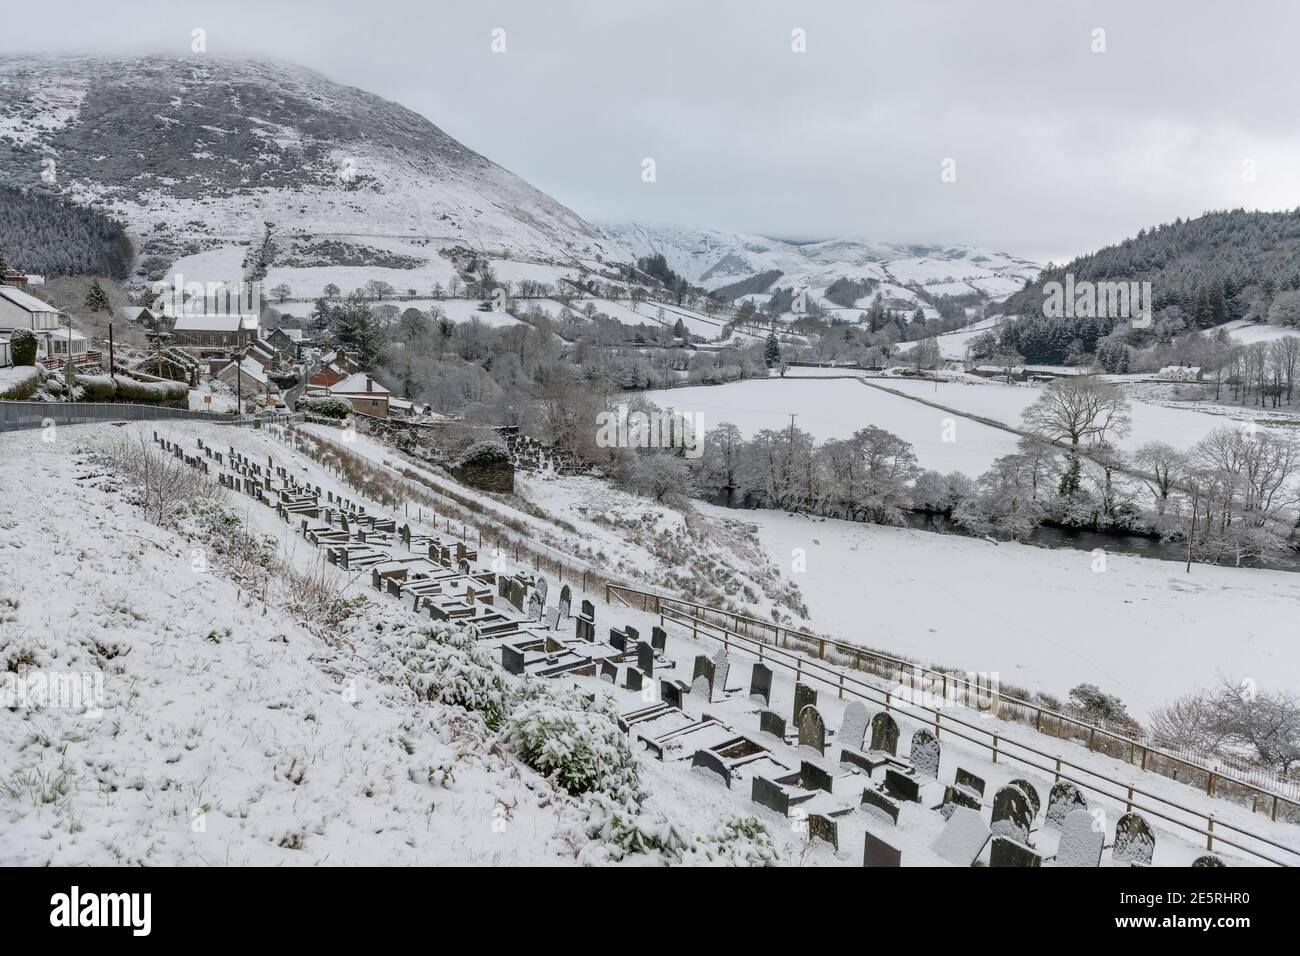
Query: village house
[(252, 379), (22, 310), (1180, 373), (215, 332), (288, 342), (263, 354), (364, 394)]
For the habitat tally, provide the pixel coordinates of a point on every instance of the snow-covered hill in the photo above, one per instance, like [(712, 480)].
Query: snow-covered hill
[(231, 166), (715, 259)]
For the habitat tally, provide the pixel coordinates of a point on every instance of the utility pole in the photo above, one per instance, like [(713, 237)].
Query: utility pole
[(111, 370)]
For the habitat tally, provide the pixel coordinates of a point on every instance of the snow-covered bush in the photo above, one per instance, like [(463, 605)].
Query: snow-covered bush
[(441, 663), (131, 390), (581, 751), (22, 347), (19, 383), (612, 831), (483, 454), (325, 407), (96, 388)]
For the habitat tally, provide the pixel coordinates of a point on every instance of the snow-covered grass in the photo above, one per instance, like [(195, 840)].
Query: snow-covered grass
[(234, 731)]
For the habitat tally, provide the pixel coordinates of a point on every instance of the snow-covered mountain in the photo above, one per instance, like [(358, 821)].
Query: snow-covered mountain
[(716, 259), (225, 166)]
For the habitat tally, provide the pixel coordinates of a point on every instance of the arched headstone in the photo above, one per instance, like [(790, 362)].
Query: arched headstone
[(1081, 841), (1134, 840), (463, 567), (1011, 816), (1064, 798), (542, 588), (853, 729), (1031, 794), (535, 607), (925, 754), (566, 600), (803, 697), (1208, 859), (812, 729), (884, 734)]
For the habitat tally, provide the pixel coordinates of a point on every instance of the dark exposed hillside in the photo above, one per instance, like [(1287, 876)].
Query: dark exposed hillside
[(54, 237)]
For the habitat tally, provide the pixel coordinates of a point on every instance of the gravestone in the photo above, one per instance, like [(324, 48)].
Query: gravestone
[(583, 629), (925, 754), (822, 827), (633, 677), (566, 600), (709, 761), (884, 733), (1063, 799), (1081, 843), (618, 639), (812, 729), (968, 781), (702, 679), (902, 786), (658, 639), (535, 607), (811, 777), (1007, 852), (954, 797), (1011, 816), (770, 722), (721, 668), (1031, 794), (670, 692), (553, 619), (963, 837), (760, 684), (853, 728), (880, 805), (541, 588), (1134, 840), (645, 658), (588, 610), (876, 852), (804, 696), (1208, 859)]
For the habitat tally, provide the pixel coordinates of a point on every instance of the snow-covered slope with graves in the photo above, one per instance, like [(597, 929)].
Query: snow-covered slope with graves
[(230, 167)]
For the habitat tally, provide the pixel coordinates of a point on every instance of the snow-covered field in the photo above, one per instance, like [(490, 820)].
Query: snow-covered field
[(1041, 618), (840, 405), (836, 408)]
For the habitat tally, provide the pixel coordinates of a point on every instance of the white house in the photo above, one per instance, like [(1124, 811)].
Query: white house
[(21, 310), (363, 392), (1180, 373)]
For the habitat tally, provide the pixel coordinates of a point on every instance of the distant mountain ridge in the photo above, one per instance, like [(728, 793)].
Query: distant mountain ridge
[(198, 154), (715, 260)]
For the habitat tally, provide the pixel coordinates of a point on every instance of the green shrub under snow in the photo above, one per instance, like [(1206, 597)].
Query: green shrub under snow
[(582, 751), (621, 831), (325, 407), (441, 663), (19, 382)]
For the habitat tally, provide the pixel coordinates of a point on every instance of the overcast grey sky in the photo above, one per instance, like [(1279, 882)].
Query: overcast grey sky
[(1058, 149)]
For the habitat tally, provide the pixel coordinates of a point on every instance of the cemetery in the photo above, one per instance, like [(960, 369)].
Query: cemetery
[(876, 777)]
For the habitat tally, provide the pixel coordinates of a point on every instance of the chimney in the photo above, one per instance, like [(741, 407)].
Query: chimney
[(370, 384)]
